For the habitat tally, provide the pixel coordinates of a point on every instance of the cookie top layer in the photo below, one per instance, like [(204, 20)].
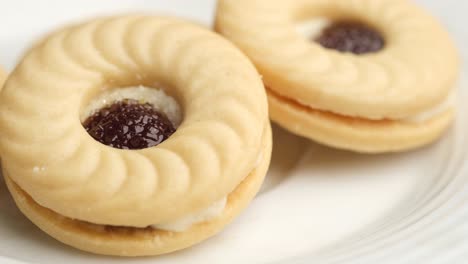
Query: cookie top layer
[(48, 153), (414, 71)]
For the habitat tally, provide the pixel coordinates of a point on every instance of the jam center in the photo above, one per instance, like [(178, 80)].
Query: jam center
[(129, 125), (351, 37)]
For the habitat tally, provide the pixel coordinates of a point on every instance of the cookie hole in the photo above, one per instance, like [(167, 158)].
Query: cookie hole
[(132, 117), (346, 36)]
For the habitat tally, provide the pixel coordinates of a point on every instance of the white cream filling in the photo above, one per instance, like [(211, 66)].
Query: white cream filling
[(312, 28), (184, 223), (161, 101), (448, 103)]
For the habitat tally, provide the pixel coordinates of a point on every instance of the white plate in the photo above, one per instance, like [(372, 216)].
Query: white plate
[(318, 205)]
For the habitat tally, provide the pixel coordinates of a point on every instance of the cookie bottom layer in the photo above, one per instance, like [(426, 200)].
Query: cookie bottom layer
[(124, 241), (355, 134)]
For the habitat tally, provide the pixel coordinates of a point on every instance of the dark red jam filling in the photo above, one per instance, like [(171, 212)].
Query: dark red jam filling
[(129, 125), (351, 37)]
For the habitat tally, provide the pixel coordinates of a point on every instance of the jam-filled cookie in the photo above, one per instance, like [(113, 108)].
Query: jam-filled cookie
[(363, 75), (134, 135)]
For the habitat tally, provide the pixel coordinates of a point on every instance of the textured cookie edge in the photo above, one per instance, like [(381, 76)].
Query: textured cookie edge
[(359, 135), (77, 234)]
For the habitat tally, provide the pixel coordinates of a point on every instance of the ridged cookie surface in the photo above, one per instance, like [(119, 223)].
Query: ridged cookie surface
[(48, 153), (125, 241), (412, 73)]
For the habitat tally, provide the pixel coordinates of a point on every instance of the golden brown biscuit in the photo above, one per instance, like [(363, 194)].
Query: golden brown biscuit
[(359, 134), (125, 241), (90, 165), (387, 62)]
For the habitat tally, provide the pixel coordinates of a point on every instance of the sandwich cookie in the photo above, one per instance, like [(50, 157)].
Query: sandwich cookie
[(134, 135), (367, 75)]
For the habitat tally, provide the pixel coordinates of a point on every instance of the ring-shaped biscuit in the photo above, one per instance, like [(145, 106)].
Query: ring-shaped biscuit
[(224, 136), (408, 76), (413, 73)]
